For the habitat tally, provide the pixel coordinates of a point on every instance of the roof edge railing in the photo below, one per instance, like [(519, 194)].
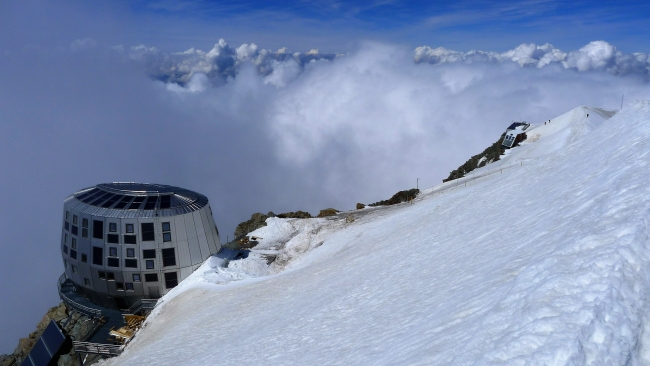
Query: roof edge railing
[(93, 313), (142, 304)]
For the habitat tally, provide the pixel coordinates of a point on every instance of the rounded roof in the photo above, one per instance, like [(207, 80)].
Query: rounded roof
[(130, 199)]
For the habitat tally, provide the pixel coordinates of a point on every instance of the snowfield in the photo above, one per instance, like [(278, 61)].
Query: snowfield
[(540, 258)]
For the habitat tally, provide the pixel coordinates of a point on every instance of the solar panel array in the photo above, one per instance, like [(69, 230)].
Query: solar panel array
[(137, 196), (46, 347)]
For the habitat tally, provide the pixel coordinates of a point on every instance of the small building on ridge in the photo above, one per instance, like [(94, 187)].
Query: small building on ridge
[(515, 133)]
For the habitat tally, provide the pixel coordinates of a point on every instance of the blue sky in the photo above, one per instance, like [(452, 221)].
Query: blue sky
[(334, 26)]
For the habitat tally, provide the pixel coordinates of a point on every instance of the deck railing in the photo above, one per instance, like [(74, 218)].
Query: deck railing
[(97, 348), (93, 313), (142, 304)]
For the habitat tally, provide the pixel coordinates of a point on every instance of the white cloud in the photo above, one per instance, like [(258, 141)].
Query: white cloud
[(220, 62), (597, 55), (80, 44)]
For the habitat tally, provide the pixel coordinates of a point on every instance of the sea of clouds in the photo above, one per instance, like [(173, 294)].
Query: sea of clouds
[(224, 61), (260, 130)]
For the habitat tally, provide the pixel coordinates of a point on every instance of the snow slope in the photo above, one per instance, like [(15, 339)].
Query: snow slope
[(544, 263)]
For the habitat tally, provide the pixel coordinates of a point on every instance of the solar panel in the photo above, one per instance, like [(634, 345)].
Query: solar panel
[(123, 202), (151, 203), (46, 347)]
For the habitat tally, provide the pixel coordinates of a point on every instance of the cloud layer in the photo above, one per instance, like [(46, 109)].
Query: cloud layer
[(595, 56), (219, 63), (255, 130), (224, 61)]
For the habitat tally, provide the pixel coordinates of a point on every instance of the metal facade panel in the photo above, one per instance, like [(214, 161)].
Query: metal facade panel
[(184, 273), (203, 242), (179, 227), (205, 223), (190, 228), (183, 253), (195, 251)]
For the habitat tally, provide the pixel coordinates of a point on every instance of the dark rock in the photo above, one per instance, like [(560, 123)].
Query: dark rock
[(295, 215), (327, 212), (399, 197), (256, 221), (491, 154), (360, 206)]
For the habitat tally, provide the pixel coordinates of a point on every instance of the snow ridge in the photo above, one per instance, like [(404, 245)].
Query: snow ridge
[(545, 263)]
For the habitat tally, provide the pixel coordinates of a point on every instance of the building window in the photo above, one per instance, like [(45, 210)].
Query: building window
[(110, 276), (65, 249), (130, 252), (84, 233), (147, 231), (149, 253), (74, 219), (151, 203), (112, 227), (101, 275), (137, 201), (149, 264), (136, 277), (98, 256), (131, 263), (113, 262), (129, 286), (129, 228), (67, 216), (87, 282), (129, 239), (74, 243), (119, 286), (166, 228), (112, 251), (171, 279), (75, 270), (65, 238), (151, 277), (84, 258), (165, 201), (98, 229), (73, 254), (67, 226), (168, 257), (113, 238), (65, 264), (75, 230), (84, 223)]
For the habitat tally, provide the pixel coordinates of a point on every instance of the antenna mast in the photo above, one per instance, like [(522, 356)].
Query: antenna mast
[(622, 96)]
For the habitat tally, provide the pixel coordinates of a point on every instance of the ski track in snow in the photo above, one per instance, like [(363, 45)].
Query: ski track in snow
[(544, 263)]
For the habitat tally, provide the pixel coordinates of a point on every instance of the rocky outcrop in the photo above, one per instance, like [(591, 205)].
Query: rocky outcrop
[(328, 212), (256, 221), (489, 155), (399, 197), (360, 206), (295, 215)]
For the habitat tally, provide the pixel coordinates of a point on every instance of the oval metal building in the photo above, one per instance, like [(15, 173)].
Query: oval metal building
[(122, 242)]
